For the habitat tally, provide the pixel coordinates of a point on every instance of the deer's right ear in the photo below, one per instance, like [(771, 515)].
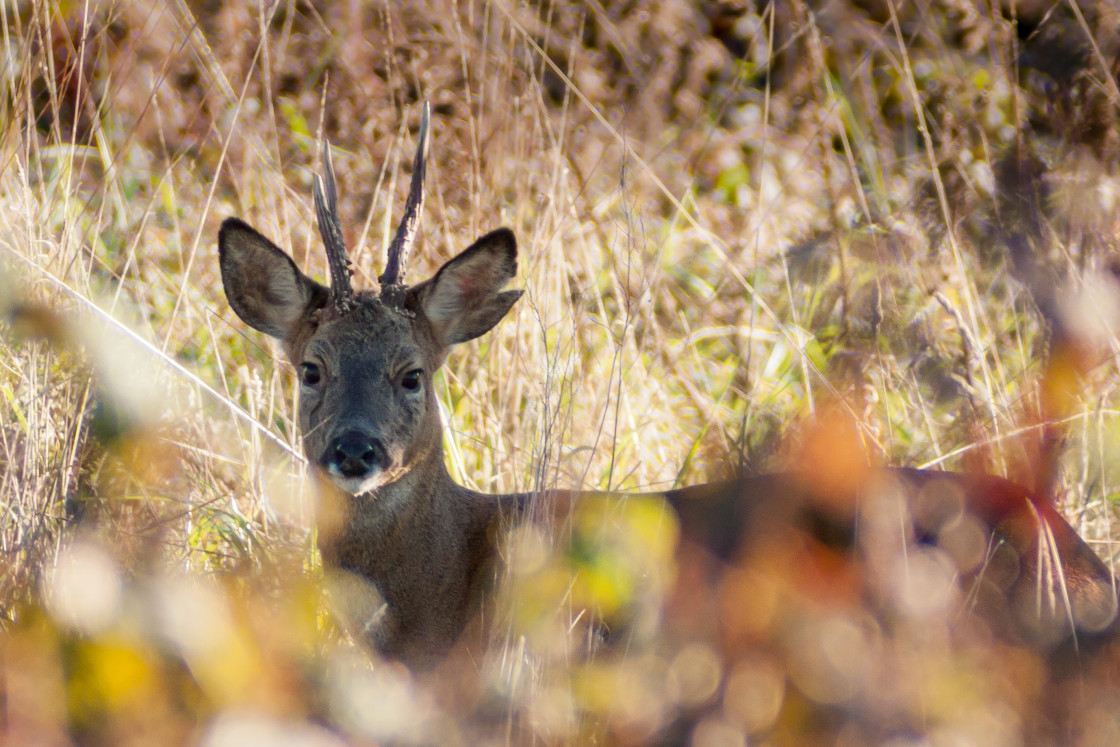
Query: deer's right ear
[(262, 283)]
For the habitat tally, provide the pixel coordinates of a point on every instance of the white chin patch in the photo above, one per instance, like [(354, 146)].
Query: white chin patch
[(356, 485)]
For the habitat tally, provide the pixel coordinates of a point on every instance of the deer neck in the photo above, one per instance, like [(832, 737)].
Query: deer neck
[(421, 542)]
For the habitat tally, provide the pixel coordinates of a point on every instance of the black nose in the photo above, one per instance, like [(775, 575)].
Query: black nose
[(355, 454)]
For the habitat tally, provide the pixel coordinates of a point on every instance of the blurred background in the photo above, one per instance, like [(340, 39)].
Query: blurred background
[(732, 217)]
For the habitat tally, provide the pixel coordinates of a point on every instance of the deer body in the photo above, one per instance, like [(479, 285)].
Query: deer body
[(395, 519), (429, 547)]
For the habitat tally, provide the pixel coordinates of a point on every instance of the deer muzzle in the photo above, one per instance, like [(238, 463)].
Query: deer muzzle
[(356, 461)]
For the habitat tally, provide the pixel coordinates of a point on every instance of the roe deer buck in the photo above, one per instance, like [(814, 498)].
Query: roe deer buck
[(372, 433)]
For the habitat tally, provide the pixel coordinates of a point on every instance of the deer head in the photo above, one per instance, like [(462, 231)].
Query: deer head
[(367, 410)]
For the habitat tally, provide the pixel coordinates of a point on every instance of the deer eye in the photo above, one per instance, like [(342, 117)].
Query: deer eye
[(309, 374), (411, 380)]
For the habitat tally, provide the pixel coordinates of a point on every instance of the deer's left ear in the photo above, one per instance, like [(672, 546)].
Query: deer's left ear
[(464, 299)]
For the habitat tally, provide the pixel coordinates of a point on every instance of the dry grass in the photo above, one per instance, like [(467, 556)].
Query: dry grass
[(729, 219)]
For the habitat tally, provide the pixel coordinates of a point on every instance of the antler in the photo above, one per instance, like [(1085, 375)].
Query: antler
[(406, 232), (330, 228)]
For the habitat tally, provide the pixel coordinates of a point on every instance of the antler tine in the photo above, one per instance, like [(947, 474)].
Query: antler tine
[(330, 228), (397, 259)]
